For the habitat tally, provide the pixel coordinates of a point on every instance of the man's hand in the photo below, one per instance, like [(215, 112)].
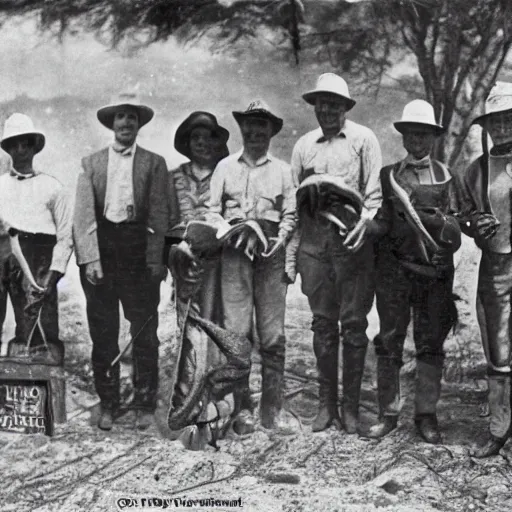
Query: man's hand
[(486, 225), (94, 272), (157, 272), (50, 281), (355, 239)]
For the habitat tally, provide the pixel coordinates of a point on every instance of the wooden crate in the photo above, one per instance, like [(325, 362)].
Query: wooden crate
[(26, 386)]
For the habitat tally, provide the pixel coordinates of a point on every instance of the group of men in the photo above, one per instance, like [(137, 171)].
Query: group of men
[(404, 225)]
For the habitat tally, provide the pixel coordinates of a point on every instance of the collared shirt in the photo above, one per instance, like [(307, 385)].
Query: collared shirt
[(239, 190), (119, 203), (193, 193), (354, 154), (416, 172), (39, 205)]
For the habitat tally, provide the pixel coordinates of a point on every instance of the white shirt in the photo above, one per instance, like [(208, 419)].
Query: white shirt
[(119, 204), (239, 190), (38, 204), (353, 154)]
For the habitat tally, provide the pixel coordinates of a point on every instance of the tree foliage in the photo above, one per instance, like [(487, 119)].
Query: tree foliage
[(460, 46)]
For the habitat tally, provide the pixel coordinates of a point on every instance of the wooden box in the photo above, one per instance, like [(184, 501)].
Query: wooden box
[(32, 396)]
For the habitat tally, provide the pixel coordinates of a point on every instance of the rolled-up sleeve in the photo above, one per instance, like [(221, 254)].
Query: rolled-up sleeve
[(371, 162), (63, 218)]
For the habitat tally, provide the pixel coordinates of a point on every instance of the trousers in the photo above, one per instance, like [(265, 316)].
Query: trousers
[(38, 251), (126, 280)]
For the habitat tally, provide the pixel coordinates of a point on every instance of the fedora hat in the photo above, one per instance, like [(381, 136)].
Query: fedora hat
[(258, 108), (332, 84), (203, 119), (499, 100), (124, 99), (17, 125), (419, 112)]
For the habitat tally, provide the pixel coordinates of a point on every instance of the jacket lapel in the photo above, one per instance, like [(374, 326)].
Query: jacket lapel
[(141, 166), (100, 167)]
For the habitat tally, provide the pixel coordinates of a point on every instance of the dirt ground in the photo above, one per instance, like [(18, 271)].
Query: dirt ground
[(84, 469)]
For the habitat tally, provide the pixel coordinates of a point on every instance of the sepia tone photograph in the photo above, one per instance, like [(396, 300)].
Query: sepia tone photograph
[(253, 255)]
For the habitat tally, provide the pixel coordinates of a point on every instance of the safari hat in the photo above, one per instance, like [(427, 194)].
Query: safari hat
[(20, 124), (499, 100), (204, 119), (332, 84), (258, 108), (419, 112), (124, 99)]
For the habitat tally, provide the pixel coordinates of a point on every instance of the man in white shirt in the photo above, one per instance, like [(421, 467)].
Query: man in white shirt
[(253, 184), (336, 271), (35, 205), (121, 216)]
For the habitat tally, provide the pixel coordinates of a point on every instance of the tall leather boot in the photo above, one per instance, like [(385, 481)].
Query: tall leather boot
[(500, 412), (428, 391), (326, 346), (388, 382), (271, 395), (244, 421), (353, 367)]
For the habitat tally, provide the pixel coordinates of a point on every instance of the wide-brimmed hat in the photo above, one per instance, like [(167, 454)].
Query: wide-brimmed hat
[(332, 84), (499, 100), (18, 125), (419, 112), (258, 108), (107, 113), (203, 119)]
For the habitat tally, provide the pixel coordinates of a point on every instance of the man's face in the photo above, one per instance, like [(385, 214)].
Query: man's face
[(256, 134), (126, 126), (419, 140), (499, 127), (330, 111), (201, 145), (22, 150)]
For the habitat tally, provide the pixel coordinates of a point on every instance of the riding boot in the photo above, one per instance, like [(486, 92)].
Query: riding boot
[(353, 368), (244, 421), (271, 395), (388, 382), (326, 346), (428, 391), (500, 413)]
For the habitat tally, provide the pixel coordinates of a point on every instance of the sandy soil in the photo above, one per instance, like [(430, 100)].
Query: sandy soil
[(82, 468)]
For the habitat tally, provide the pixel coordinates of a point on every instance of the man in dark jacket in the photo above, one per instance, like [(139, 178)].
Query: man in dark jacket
[(120, 221), (414, 269)]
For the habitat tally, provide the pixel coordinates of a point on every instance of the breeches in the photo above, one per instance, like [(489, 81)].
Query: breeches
[(494, 309), (339, 285), (256, 287)]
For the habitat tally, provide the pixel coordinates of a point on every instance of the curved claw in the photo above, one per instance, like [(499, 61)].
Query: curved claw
[(334, 220), (275, 248), (18, 254)]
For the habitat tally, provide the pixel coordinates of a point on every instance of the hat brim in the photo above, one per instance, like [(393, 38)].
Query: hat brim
[(181, 138), (479, 120), (310, 97), (39, 145), (277, 122), (402, 126), (106, 114)]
